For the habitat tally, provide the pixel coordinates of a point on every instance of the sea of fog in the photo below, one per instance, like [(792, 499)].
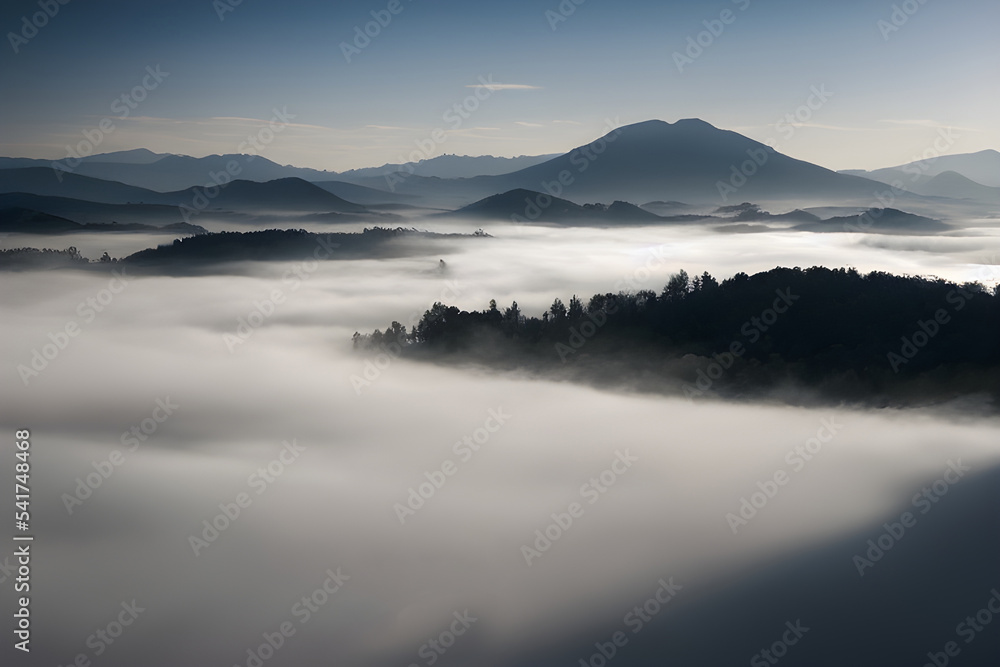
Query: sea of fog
[(153, 423)]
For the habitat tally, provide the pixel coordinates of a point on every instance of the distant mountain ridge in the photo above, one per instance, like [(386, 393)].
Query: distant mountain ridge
[(654, 161), (689, 160), (451, 166), (982, 167)]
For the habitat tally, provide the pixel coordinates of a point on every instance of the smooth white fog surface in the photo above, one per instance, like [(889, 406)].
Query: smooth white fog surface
[(333, 506)]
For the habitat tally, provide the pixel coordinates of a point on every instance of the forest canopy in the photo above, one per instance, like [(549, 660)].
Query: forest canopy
[(876, 338)]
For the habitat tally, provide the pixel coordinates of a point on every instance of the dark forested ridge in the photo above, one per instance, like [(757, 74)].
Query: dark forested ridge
[(831, 334), (210, 251)]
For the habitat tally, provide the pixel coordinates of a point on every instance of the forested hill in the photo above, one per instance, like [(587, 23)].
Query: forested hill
[(876, 339)]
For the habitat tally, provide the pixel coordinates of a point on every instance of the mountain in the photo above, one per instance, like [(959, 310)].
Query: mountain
[(135, 156), (748, 211), (163, 172), (523, 205), (451, 166), (27, 221), (23, 220), (283, 194), (520, 205), (89, 212), (177, 172), (982, 167), (364, 195), (45, 181), (956, 186), (689, 160), (878, 221)]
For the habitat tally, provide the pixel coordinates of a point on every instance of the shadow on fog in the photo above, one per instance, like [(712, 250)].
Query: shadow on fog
[(908, 603)]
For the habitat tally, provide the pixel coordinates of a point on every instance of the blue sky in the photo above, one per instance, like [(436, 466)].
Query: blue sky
[(553, 84)]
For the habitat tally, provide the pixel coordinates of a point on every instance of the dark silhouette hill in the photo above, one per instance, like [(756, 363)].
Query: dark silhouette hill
[(799, 336), (878, 221), (27, 221), (24, 220), (284, 194), (217, 252), (86, 212), (48, 182), (520, 205)]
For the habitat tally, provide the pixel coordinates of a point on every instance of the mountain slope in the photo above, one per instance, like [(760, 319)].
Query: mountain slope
[(689, 160), (520, 205), (451, 166), (48, 182), (283, 194), (135, 156), (955, 185), (177, 172), (363, 195), (982, 167)]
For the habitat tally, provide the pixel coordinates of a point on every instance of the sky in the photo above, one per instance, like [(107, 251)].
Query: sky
[(851, 84)]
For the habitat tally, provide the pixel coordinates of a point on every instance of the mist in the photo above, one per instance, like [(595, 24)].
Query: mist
[(197, 395)]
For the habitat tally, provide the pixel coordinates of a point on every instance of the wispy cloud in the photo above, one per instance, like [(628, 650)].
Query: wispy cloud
[(503, 86), (527, 124), (567, 122), (924, 122), (387, 127)]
